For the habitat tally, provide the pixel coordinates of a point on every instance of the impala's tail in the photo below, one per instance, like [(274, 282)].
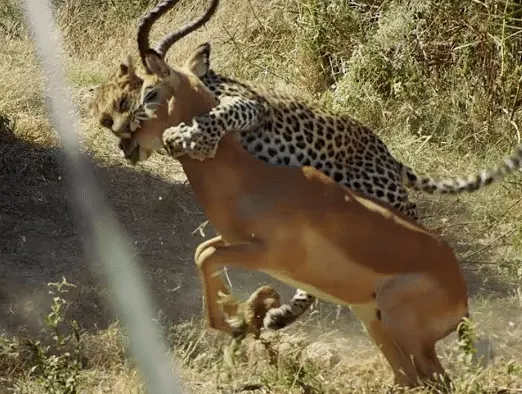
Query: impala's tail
[(459, 185)]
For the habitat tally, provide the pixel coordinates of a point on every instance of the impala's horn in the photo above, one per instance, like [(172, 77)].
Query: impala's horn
[(172, 38), (146, 24)]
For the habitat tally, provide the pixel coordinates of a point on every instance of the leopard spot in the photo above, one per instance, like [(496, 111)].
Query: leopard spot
[(271, 152)]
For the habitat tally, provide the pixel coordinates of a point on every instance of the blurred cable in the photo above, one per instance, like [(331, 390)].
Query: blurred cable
[(131, 299)]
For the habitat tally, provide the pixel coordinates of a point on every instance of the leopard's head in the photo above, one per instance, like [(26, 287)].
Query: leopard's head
[(117, 102)]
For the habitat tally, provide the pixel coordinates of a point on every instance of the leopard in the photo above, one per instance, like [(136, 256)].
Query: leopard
[(281, 129)]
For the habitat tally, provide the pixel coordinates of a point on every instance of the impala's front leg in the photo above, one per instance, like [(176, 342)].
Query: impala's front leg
[(200, 139), (211, 257)]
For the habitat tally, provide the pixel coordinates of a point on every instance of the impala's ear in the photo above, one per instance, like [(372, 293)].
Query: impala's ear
[(157, 65), (199, 61)]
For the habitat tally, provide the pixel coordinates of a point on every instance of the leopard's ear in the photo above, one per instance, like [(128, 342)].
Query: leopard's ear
[(92, 97), (91, 107), (126, 67)]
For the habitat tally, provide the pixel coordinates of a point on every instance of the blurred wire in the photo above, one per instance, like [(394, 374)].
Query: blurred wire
[(131, 298)]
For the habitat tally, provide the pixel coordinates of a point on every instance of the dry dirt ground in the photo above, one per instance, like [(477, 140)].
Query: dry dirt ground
[(41, 240)]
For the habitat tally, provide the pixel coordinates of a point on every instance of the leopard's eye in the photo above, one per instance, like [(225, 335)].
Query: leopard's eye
[(107, 122)]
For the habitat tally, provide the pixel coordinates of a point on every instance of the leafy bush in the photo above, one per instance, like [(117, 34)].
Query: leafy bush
[(439, 68), (55, 361)]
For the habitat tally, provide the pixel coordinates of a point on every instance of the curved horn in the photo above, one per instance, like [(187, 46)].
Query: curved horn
[(169, 40), (146, 23)]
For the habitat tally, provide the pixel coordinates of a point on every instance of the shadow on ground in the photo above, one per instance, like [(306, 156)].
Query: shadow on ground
[(40, 240)]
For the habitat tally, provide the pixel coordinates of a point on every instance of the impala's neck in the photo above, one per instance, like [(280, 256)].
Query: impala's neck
[(224, 183), (220, 182)]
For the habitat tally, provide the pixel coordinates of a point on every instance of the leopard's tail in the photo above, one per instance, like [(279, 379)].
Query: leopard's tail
[(459, 185)]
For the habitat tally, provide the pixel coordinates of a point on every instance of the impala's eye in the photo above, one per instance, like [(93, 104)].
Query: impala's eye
[(150, 94), (123, 104), (107, 122)]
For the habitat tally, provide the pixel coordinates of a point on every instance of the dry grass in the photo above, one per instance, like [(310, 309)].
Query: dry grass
[(441, 111)]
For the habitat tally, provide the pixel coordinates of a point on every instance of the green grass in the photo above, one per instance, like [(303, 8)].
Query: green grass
[(85, 78)]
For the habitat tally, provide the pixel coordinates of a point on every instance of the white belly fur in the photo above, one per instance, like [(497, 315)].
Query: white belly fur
[(335, 268), (308, 288)]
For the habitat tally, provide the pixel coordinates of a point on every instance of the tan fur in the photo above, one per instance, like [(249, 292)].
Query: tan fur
[(301, 227)]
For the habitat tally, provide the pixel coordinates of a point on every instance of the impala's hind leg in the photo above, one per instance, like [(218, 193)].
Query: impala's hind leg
[(370, 316), (421, 357), (211, 257), (417, 312)]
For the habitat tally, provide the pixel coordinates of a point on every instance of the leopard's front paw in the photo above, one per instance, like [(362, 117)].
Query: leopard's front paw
[(174, 147), (175, 141), (188, 140)]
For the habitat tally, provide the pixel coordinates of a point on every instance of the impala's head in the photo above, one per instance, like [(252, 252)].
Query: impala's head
[(117, 102), (169, 96)]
